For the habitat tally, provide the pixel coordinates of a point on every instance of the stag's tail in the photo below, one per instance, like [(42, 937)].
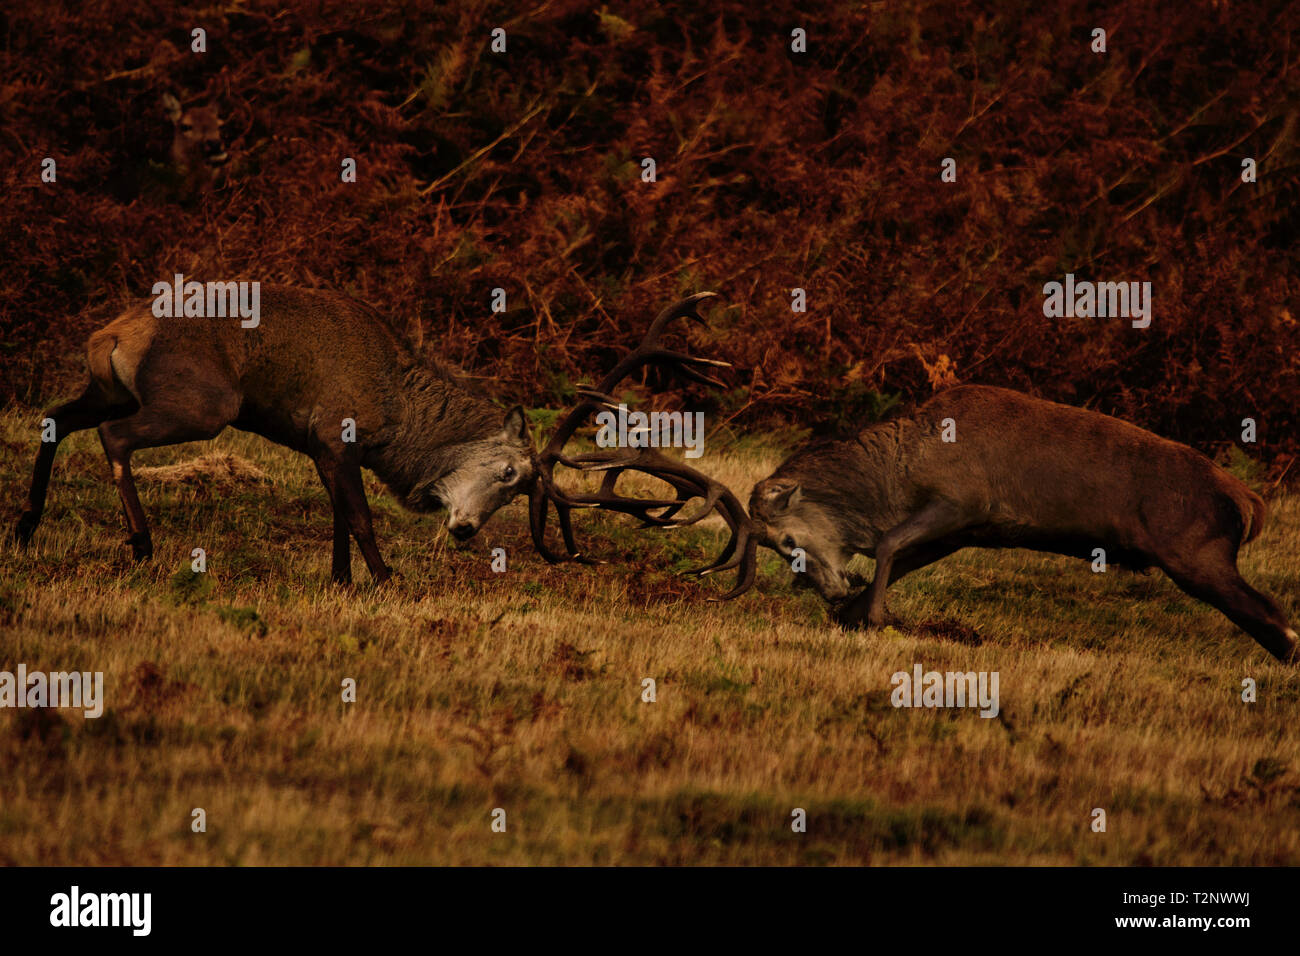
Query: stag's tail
[(1253, 512), (99, 358), (112, 355)]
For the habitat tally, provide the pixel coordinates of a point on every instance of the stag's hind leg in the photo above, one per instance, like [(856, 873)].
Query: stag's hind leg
[(341, 562), (81, 413), (197, 418), (1213, 578)]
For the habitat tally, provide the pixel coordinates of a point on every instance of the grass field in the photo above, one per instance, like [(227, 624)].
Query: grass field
[(522, 691)]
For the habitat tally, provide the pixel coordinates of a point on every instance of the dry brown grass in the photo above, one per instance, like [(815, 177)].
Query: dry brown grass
[(215, 469), (522, 691)]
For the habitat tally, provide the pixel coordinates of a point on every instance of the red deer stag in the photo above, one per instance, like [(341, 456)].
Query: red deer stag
[(991, 468), (318, 369)]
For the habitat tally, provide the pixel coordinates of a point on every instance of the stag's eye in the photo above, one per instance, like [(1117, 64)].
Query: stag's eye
[(508, 474), (186, 127), (788, 543)]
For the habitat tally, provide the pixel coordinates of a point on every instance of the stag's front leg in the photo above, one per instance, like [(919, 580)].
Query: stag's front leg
[(850, 614), (912, 544), (905, 562), (352, 500), (341, 562), (339, 466)]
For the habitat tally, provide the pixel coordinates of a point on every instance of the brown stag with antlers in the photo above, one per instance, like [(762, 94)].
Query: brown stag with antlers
[(991, 468), (368, 400)]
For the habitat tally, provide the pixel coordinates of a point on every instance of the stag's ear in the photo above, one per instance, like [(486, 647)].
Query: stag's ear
[(172, 107), (782, 496), (516, 424)]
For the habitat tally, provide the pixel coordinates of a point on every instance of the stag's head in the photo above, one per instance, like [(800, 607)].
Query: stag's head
[(489, 474), (197, 140), (797, 526)]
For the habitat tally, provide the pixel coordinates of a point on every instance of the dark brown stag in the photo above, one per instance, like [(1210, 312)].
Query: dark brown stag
[(367, 401), (991, 468)]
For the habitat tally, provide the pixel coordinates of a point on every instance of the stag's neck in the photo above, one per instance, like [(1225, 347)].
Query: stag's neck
[(884, 488), (862, 480), (434, 415)]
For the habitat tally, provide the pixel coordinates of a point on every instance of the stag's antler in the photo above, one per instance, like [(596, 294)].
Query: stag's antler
[(686, 481)]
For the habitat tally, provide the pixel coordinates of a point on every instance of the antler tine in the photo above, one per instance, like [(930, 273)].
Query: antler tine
[(539, 503), (685, 481), (748, 563), (741, 548), (649, 352), (646, 353), (681, 309), (669, 508), (688, 482), (542, 496), (564, 514)]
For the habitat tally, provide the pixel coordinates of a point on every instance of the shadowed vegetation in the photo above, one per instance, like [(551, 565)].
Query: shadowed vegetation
[(776, 170)]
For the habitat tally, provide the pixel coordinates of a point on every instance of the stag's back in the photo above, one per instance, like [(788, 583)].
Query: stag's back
[(1065, 470), (311, 350)]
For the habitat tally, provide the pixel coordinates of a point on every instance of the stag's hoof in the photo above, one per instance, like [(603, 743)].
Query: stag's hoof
[(884, 623), (141, 546), (1291, 654), (851, 618), (846, 617), (25, 528)]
